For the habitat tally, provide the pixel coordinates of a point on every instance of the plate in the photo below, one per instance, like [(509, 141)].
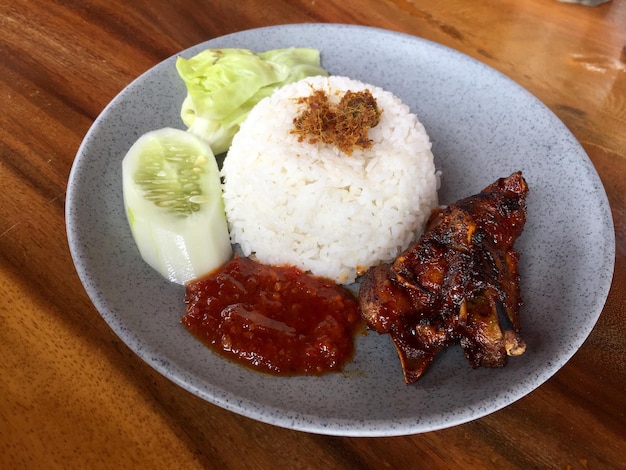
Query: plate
[(483, 126)]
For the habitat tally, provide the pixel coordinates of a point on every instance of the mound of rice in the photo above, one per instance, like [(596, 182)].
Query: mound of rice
[(314, 207)]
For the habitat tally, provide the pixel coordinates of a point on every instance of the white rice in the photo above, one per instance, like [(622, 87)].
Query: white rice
[(314, 207)]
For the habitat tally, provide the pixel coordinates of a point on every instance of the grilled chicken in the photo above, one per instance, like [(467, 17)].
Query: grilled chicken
[(458, 284)]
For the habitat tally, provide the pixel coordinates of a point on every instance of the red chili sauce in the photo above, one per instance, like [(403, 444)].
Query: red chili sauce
[(273, 319)]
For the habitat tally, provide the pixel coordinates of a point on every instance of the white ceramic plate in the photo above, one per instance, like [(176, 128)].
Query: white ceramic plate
[(483, 126)]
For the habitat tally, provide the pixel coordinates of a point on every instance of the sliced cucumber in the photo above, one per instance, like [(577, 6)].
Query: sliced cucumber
[(173, 200)]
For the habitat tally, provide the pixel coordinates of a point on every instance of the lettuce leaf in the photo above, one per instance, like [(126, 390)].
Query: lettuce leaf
[(223, 85)]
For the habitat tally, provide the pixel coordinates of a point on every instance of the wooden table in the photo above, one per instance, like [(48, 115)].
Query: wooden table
[(72, 395)]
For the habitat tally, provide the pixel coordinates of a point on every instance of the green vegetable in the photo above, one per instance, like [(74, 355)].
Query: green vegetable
[(173, 200), (223, 85)]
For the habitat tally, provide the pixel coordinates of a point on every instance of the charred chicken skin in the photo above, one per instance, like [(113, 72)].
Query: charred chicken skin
[(458, 284)]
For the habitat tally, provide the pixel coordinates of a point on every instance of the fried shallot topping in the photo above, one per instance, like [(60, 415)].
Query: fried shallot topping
[(345, 124)]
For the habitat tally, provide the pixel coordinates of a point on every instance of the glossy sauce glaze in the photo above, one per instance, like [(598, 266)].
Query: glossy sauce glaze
[(273, 319)]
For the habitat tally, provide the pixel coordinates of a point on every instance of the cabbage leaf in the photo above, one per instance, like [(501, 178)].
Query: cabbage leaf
[(223, 85)]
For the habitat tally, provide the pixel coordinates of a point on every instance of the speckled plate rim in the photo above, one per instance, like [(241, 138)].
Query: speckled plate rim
[(595, 246)]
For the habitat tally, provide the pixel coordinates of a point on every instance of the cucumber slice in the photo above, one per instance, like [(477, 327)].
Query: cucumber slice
[(173, 201)]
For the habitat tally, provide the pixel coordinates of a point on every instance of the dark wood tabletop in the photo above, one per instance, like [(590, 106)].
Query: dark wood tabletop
[(73, 395)]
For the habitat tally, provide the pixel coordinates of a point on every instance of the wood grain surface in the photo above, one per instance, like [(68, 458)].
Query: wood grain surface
[(72, 395)]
